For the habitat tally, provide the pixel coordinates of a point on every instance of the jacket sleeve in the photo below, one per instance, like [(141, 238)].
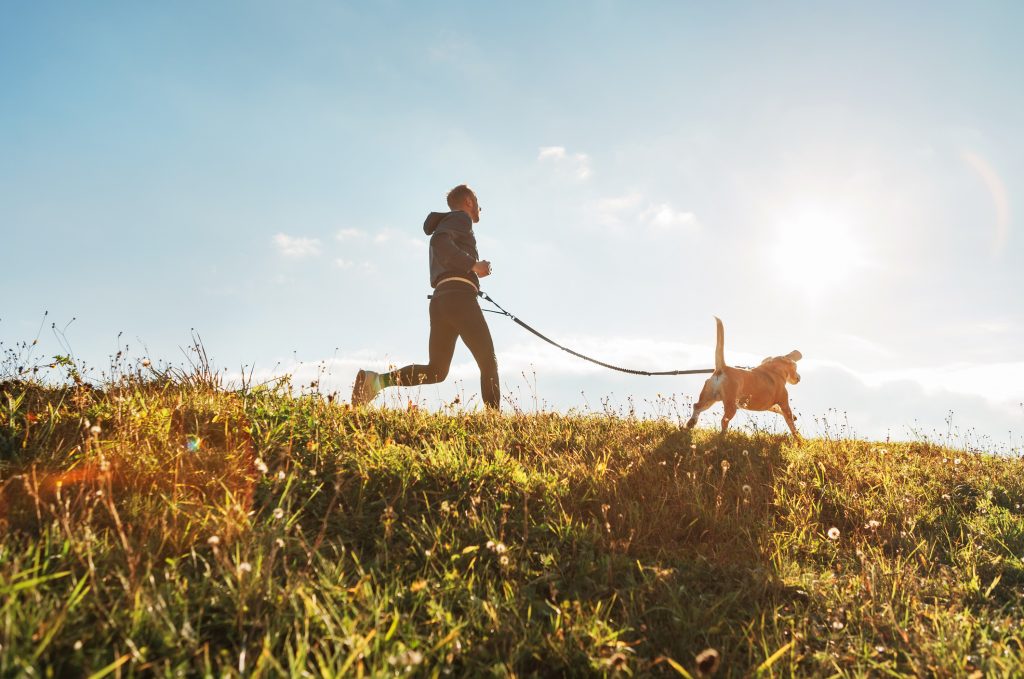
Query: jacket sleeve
[(448, 254)]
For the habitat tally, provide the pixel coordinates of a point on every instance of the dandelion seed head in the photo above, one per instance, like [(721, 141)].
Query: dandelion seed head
[(503, 560), (78, 645), (278, 513), (213, 540), (708, 661), (873, 524), (747, 490), (145, 363), (833, 533), (95, 430), (245, 567), (261, 466)]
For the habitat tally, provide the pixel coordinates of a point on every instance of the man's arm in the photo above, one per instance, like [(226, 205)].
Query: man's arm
[(450, 255)]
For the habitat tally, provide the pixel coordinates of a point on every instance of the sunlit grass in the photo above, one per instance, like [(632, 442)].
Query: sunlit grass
[(163, 525)]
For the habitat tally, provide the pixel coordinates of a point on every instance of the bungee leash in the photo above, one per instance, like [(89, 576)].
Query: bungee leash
[(526, 326)]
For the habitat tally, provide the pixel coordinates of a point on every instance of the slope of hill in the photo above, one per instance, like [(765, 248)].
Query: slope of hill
[(168, 527)]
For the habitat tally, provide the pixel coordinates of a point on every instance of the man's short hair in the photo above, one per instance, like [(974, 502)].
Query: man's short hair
[(457, 195)]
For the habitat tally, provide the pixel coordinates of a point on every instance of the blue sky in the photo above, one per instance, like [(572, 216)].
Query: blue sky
[(841, 180)]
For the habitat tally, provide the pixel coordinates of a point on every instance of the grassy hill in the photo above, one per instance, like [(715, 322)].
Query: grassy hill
[(167, 527)]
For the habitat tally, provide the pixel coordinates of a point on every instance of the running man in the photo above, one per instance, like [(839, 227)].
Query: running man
[(455, 273)]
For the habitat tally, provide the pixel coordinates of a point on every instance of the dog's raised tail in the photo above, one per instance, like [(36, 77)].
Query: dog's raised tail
[(719, 346)]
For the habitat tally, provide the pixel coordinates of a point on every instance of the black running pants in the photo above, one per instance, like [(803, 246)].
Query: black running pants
[(454, 313)]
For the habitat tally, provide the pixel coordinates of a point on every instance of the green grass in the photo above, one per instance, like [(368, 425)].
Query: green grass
[(206, 532)]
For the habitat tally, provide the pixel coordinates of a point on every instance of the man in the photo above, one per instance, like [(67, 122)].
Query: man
[(455, 273)]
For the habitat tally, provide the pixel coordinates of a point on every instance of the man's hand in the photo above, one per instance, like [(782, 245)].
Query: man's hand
[(482, 269)]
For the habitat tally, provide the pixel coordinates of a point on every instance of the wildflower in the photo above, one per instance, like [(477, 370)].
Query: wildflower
[(280, 475), (261, 466), (747, 490), (407, 659), (833, 533), (837, 625), (245, 567), (278, 513), (445, 506), (873, 524), (213, 540), (95, 430), (708, 661)]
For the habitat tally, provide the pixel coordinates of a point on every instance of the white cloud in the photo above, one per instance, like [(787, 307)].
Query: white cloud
[(576, 165), (352, 265), (350, 234), (997, 383), (293, 246), (401, 238), (634, 209), (665, 217)]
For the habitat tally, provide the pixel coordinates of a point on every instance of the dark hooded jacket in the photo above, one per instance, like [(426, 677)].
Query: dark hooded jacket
[(452, 246)]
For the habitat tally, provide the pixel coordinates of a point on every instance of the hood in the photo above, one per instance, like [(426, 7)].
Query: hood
[(457, 221), (432, 221)]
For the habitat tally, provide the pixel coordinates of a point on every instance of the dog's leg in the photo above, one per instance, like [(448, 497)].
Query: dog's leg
[(730, 412), (790, 420), (705, 401)]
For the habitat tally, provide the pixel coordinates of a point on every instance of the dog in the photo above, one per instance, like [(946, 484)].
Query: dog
[(762, 388)]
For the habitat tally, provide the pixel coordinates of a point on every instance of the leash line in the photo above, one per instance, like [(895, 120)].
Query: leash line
[(630, 371)]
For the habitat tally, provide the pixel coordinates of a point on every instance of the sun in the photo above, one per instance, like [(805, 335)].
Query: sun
[(817, 250)]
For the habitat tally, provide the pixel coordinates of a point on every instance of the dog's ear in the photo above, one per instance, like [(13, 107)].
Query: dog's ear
[(794, 355)]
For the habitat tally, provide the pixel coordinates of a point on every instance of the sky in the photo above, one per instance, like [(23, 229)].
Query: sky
[(845, 180)]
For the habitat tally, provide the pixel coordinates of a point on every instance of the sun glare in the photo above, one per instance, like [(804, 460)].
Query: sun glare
[(817, 251)]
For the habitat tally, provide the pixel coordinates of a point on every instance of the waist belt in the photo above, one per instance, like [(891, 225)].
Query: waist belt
[(461, 280)]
